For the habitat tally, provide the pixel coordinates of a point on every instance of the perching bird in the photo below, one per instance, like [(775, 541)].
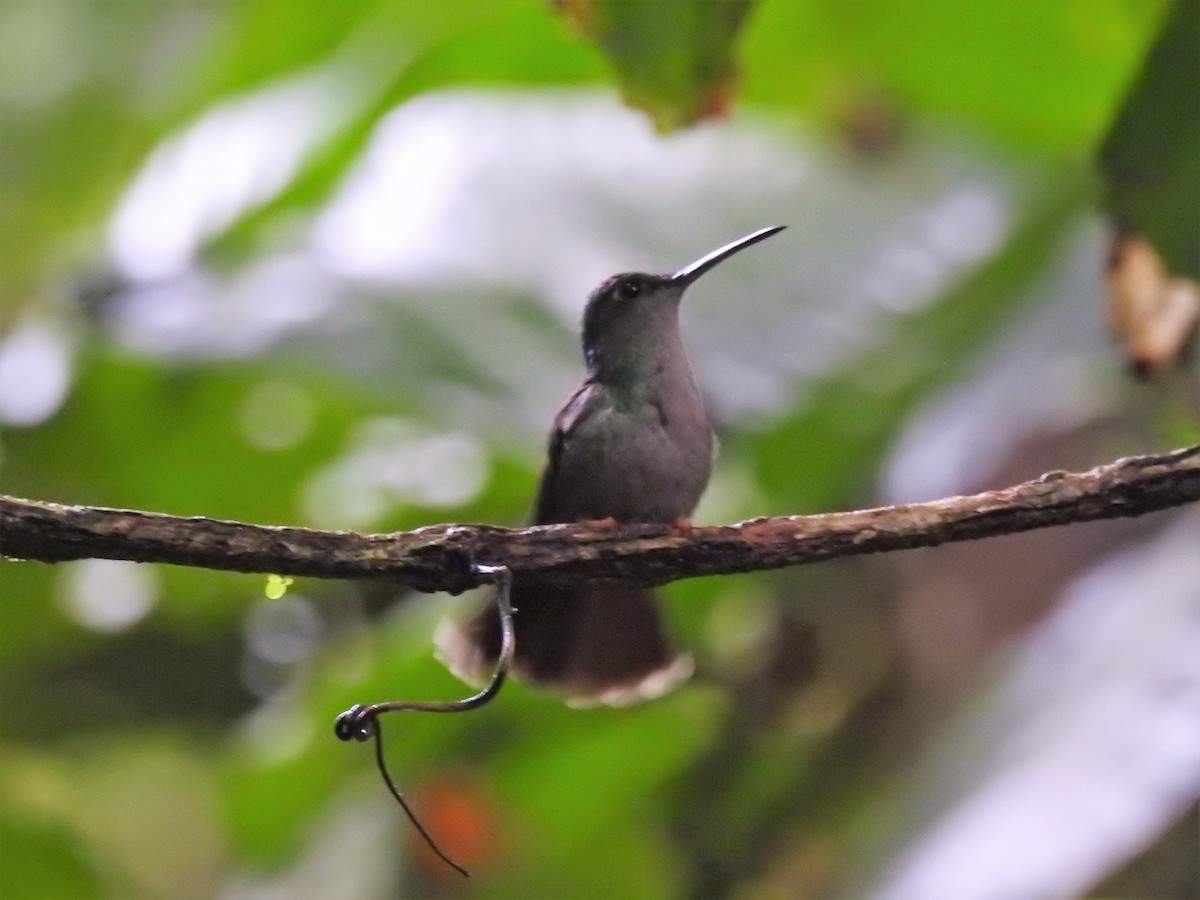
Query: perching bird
[(632, 444)]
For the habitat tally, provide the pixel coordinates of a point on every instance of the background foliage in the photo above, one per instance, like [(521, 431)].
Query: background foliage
[(321, 263)]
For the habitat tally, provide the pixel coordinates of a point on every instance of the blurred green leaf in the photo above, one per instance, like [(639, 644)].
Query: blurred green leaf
[(44, 861), (1151, 157), (674, 60), (1044, 75)]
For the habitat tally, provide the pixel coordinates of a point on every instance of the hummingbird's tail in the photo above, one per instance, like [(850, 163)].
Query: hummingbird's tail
[(597, 643)]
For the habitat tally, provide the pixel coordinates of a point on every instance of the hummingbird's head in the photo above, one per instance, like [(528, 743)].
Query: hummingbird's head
[(626, 318), (632, 319)]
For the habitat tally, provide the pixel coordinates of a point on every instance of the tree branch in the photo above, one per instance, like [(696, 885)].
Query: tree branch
[(443, 557)]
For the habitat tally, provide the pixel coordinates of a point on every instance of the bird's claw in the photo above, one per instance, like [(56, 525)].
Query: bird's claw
[(605, 524)]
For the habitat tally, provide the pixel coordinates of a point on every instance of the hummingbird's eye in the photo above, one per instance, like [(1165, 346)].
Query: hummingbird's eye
[(629, 288)]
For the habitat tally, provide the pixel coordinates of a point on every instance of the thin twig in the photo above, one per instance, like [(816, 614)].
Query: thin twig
[(360, 723)]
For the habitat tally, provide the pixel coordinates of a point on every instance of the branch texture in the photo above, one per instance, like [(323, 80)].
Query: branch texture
[(443, 557)]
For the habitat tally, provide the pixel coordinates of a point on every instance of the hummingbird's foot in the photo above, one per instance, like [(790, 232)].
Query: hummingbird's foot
[(682, 524), (608, 522)]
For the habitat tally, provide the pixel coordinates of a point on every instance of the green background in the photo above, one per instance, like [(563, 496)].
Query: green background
[(168, 732)]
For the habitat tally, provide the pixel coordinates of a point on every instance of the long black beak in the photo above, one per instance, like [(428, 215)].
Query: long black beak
[(691, 272)]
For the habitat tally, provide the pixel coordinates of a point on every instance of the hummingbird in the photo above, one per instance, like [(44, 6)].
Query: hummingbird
[(633, 444)]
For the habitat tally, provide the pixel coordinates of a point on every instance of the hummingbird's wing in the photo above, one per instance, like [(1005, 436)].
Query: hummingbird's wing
[(583, 404), (595, 643)]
